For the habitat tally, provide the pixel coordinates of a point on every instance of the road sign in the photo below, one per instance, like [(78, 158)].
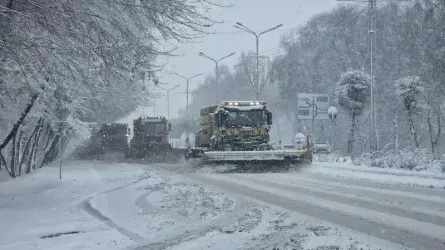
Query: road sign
[(313, 106)]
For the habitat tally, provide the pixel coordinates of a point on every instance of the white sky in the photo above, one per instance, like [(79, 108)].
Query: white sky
[(258, 15)]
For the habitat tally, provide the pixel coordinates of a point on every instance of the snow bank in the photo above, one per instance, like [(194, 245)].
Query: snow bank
[(424, 178), (408, 159), (418, 160), (39, 211)]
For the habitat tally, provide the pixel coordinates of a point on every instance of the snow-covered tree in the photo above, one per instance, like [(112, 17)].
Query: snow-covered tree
[(352, 93), (409, 90), (408, 41), (101, 53)]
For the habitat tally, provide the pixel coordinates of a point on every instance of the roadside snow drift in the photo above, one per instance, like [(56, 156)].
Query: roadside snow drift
[(40, 212)]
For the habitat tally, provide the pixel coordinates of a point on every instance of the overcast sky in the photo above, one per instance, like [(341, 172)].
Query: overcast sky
[(258, 15)]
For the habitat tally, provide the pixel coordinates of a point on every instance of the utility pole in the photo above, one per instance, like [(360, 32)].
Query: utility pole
[(187, 91), (373, 145), (216, 61), (168, 98), (240, 26)]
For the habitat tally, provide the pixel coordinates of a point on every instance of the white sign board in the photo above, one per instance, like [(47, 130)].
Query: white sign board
[(313, 106)]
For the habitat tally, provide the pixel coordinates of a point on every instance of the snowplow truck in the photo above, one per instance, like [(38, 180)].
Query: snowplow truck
[(115, 137), (150, 140), (238, 131), (110, 138)]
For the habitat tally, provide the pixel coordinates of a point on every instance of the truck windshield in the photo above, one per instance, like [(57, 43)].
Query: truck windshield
[(114, 130), (245, 118), (154, 127)]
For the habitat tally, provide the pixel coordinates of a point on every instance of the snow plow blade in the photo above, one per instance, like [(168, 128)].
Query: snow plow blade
[(161, 153), (289, 156)]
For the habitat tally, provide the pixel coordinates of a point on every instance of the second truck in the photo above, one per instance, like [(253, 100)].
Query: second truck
[(150, 140), (237, 132)]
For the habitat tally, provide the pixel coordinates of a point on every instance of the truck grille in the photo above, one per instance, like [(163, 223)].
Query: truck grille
[(246, 132)]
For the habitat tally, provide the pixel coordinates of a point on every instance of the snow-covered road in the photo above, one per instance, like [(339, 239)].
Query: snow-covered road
[(407, 215), (100, 205)]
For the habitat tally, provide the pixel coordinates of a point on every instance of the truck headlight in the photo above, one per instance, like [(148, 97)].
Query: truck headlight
[(259, 132)]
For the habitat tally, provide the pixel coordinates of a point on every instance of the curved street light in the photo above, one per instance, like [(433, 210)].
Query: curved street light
[(168, 98), (240, 26), (216, 61), (187, 90)]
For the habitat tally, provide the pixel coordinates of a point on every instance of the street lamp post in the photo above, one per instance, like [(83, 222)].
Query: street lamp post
[(168, 97), (187, 91), (257, 37), (216, 61)]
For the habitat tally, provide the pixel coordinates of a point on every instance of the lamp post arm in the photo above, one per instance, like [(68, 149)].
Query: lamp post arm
[(200, 74), (173, 87), (207, 57), (181, 76), (162, 88), (229, 55), (244, 29), (241, 26), (274, 28)]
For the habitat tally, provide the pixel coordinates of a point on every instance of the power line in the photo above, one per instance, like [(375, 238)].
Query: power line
[(274, 48)]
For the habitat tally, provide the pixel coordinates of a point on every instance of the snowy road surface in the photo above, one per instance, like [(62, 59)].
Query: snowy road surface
[(101, 205), (411, 216)]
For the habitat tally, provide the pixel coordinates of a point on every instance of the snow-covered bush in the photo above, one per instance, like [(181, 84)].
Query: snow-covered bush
[(409, 159), (332, 157), (353, 91)]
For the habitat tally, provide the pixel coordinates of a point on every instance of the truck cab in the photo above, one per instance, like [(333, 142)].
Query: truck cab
[(114, 137), (240, 126), (149, 131)]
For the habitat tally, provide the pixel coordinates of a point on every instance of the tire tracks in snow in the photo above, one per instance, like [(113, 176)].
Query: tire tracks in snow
[(402, 230), (87, 206), (406, 206), (240, 208), (221, 222)]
